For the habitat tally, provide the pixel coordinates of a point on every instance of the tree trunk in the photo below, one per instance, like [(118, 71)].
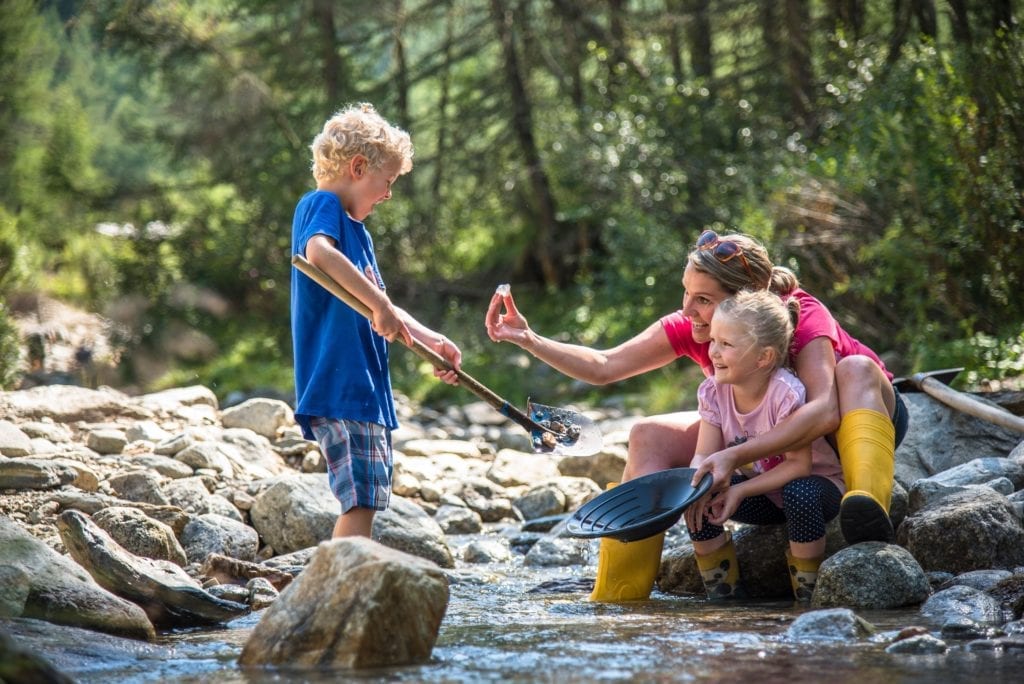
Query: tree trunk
[(675, 42), (445, 82), (961, 22), (799, 78), (323, 11), (522, 124), (401, 83), (850, 15), (700, 38)]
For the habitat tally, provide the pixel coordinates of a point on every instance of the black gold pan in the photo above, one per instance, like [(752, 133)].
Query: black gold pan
[(640, 508)]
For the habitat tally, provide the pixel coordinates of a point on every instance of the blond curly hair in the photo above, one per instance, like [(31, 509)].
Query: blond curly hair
[(359, 129)]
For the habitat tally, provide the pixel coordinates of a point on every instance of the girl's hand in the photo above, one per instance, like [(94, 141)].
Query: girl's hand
[(451, 353), (724, 505), (507, 326), (694, 514), (720, 464)]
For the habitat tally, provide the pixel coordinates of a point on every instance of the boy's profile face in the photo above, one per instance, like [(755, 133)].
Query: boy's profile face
[(369, 186)]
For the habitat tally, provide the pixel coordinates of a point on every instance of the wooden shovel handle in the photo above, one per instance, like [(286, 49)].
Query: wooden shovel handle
[(421, 350), (967, 404)]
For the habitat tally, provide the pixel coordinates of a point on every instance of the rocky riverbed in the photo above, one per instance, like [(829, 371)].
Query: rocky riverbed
[(127, 519)]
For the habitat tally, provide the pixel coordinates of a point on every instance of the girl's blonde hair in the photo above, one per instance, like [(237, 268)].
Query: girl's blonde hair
[(359, 129), (769, 320), (751, 269)]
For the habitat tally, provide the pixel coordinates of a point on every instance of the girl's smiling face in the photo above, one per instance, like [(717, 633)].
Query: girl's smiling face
[(734, 353), (701, 295)]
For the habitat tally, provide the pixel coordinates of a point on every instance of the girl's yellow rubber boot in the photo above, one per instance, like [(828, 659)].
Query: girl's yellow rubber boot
[(720, 572), (867, 448), (626, 570), (803, 575)]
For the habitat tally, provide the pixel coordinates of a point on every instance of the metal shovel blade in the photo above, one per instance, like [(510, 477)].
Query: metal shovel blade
[(568, 432)]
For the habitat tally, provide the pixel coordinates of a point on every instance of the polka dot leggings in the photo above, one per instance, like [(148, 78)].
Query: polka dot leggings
[(808, 503)]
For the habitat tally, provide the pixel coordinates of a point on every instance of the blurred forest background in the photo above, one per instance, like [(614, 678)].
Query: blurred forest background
[(152, 152)]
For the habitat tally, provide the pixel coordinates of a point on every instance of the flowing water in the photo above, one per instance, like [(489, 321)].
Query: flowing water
[(496, 629)]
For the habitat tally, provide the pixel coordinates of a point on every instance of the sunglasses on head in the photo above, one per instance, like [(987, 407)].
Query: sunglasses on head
[(723, 250)]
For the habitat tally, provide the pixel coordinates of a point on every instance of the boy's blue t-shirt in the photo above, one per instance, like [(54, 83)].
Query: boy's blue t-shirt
[(341, 364)]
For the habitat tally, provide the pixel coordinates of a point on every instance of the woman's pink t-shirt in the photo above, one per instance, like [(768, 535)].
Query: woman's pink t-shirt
[(717, 406)]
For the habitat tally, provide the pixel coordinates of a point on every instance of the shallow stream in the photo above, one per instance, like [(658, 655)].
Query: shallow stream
[(496, 629)]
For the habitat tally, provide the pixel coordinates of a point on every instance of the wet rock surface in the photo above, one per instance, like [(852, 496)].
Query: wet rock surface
[(162, 510)]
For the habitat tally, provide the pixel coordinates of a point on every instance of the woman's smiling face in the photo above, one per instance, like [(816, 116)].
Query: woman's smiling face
[(701, 295)]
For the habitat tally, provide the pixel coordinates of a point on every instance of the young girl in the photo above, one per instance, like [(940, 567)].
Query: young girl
[(747, 395)]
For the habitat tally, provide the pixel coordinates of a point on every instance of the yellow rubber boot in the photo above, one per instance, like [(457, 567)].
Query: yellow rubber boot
[(626, 570), (720, 572), (803, 575), (867, 447)]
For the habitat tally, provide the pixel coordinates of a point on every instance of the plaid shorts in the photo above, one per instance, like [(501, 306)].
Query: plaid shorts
[(359, 461)]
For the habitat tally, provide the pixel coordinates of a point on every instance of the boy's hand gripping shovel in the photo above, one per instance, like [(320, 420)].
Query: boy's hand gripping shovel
[(552, 430)]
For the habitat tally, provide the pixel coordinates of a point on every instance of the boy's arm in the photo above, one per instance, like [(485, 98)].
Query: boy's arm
[(386, 321), (439, 343)]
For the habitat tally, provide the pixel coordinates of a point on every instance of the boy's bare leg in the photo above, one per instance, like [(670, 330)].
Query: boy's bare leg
[(357, 522)]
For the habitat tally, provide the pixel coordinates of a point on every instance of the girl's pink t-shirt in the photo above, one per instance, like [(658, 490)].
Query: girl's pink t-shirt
[(717, 406), (815, 321)]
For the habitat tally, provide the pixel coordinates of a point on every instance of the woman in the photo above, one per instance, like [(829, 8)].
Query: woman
[(849, 392)]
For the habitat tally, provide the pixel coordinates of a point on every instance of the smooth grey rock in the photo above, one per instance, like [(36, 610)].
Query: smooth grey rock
[(139, 534), (871, 575), (486, 551), (977, 529), (211, 533), (962, 602), (62, 592), (295, 512), (551, 552), (406, 527), (334, 614), (836, 624), (261, 415), (458, 520), (920, 644), (13, 442)]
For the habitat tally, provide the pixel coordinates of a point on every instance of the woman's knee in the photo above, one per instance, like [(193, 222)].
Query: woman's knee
[(862, 384)]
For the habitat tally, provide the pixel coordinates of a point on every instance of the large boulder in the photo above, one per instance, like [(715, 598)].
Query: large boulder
[(975, 529), (295, 512), (357, 604), (60, 591), (170, 597), (870, 575)]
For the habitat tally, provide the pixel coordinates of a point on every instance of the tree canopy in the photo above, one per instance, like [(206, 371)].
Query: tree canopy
[(153, 151)]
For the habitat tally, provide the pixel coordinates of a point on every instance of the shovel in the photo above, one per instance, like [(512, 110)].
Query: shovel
[(936, 384), (552, 429)]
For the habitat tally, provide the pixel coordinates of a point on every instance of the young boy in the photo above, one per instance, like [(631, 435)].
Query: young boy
[(342, 384)]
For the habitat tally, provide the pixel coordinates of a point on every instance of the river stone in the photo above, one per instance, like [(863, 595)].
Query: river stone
[(168, 595), (146, 431), (603, 467), (34, 473), (551, 552), (21, 664), (252, 455), (970, 530), (836, 624), (140, 534), (190, 494), (981, 471), (435, 447), (982, 580), (166, 466), (871, 575), (106, 441), (86, 478), (52, 432), (68, 404), (357, 604), (14, 587), (208, 455), (962, 602), (486, 551), (577, 490), (13, 442), (62, 592), (406, 527), (171, 401), (212, 533), (943, 437), (261, 415), (485, 497), (142, 486), (919, 644), (458, 520), (540, 502), (511, 467), (295, 512), (175, 444)]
